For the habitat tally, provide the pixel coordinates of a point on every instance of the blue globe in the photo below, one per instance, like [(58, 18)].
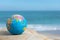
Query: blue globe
[(16, 24)]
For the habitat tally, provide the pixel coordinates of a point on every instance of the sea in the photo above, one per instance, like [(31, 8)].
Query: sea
[(37, 20)]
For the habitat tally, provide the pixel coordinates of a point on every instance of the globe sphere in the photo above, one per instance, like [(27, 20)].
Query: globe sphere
[(16, 24)]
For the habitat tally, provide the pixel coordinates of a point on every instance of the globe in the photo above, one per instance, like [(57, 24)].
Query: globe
[(16, 24)]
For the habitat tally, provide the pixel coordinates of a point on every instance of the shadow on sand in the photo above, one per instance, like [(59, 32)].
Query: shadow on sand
[(5, 33)]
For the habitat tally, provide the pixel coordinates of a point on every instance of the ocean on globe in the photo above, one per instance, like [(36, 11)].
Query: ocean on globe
[(16, 24)]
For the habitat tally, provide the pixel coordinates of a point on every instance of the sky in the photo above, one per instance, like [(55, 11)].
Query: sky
[(8, 5)]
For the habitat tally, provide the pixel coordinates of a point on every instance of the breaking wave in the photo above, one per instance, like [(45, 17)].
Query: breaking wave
[(39, 27)]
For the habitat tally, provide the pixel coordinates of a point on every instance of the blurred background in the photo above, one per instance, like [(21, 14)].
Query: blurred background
[(42, 15)]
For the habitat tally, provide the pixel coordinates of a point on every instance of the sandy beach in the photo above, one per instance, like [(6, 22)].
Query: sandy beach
[(29, 34)]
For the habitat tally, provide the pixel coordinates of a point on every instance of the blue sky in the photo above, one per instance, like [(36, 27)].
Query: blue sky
[(29, 5)]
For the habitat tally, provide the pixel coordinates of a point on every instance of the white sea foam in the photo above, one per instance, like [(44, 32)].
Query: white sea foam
[(39, 27), (2, 26)]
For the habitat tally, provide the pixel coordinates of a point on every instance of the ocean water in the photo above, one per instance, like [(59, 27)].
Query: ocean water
[(37, 20)]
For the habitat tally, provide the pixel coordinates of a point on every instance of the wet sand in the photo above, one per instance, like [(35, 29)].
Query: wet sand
[(27, 35), (51, 32)]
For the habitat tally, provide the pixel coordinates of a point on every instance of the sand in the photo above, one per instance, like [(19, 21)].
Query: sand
[(29, 34)]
